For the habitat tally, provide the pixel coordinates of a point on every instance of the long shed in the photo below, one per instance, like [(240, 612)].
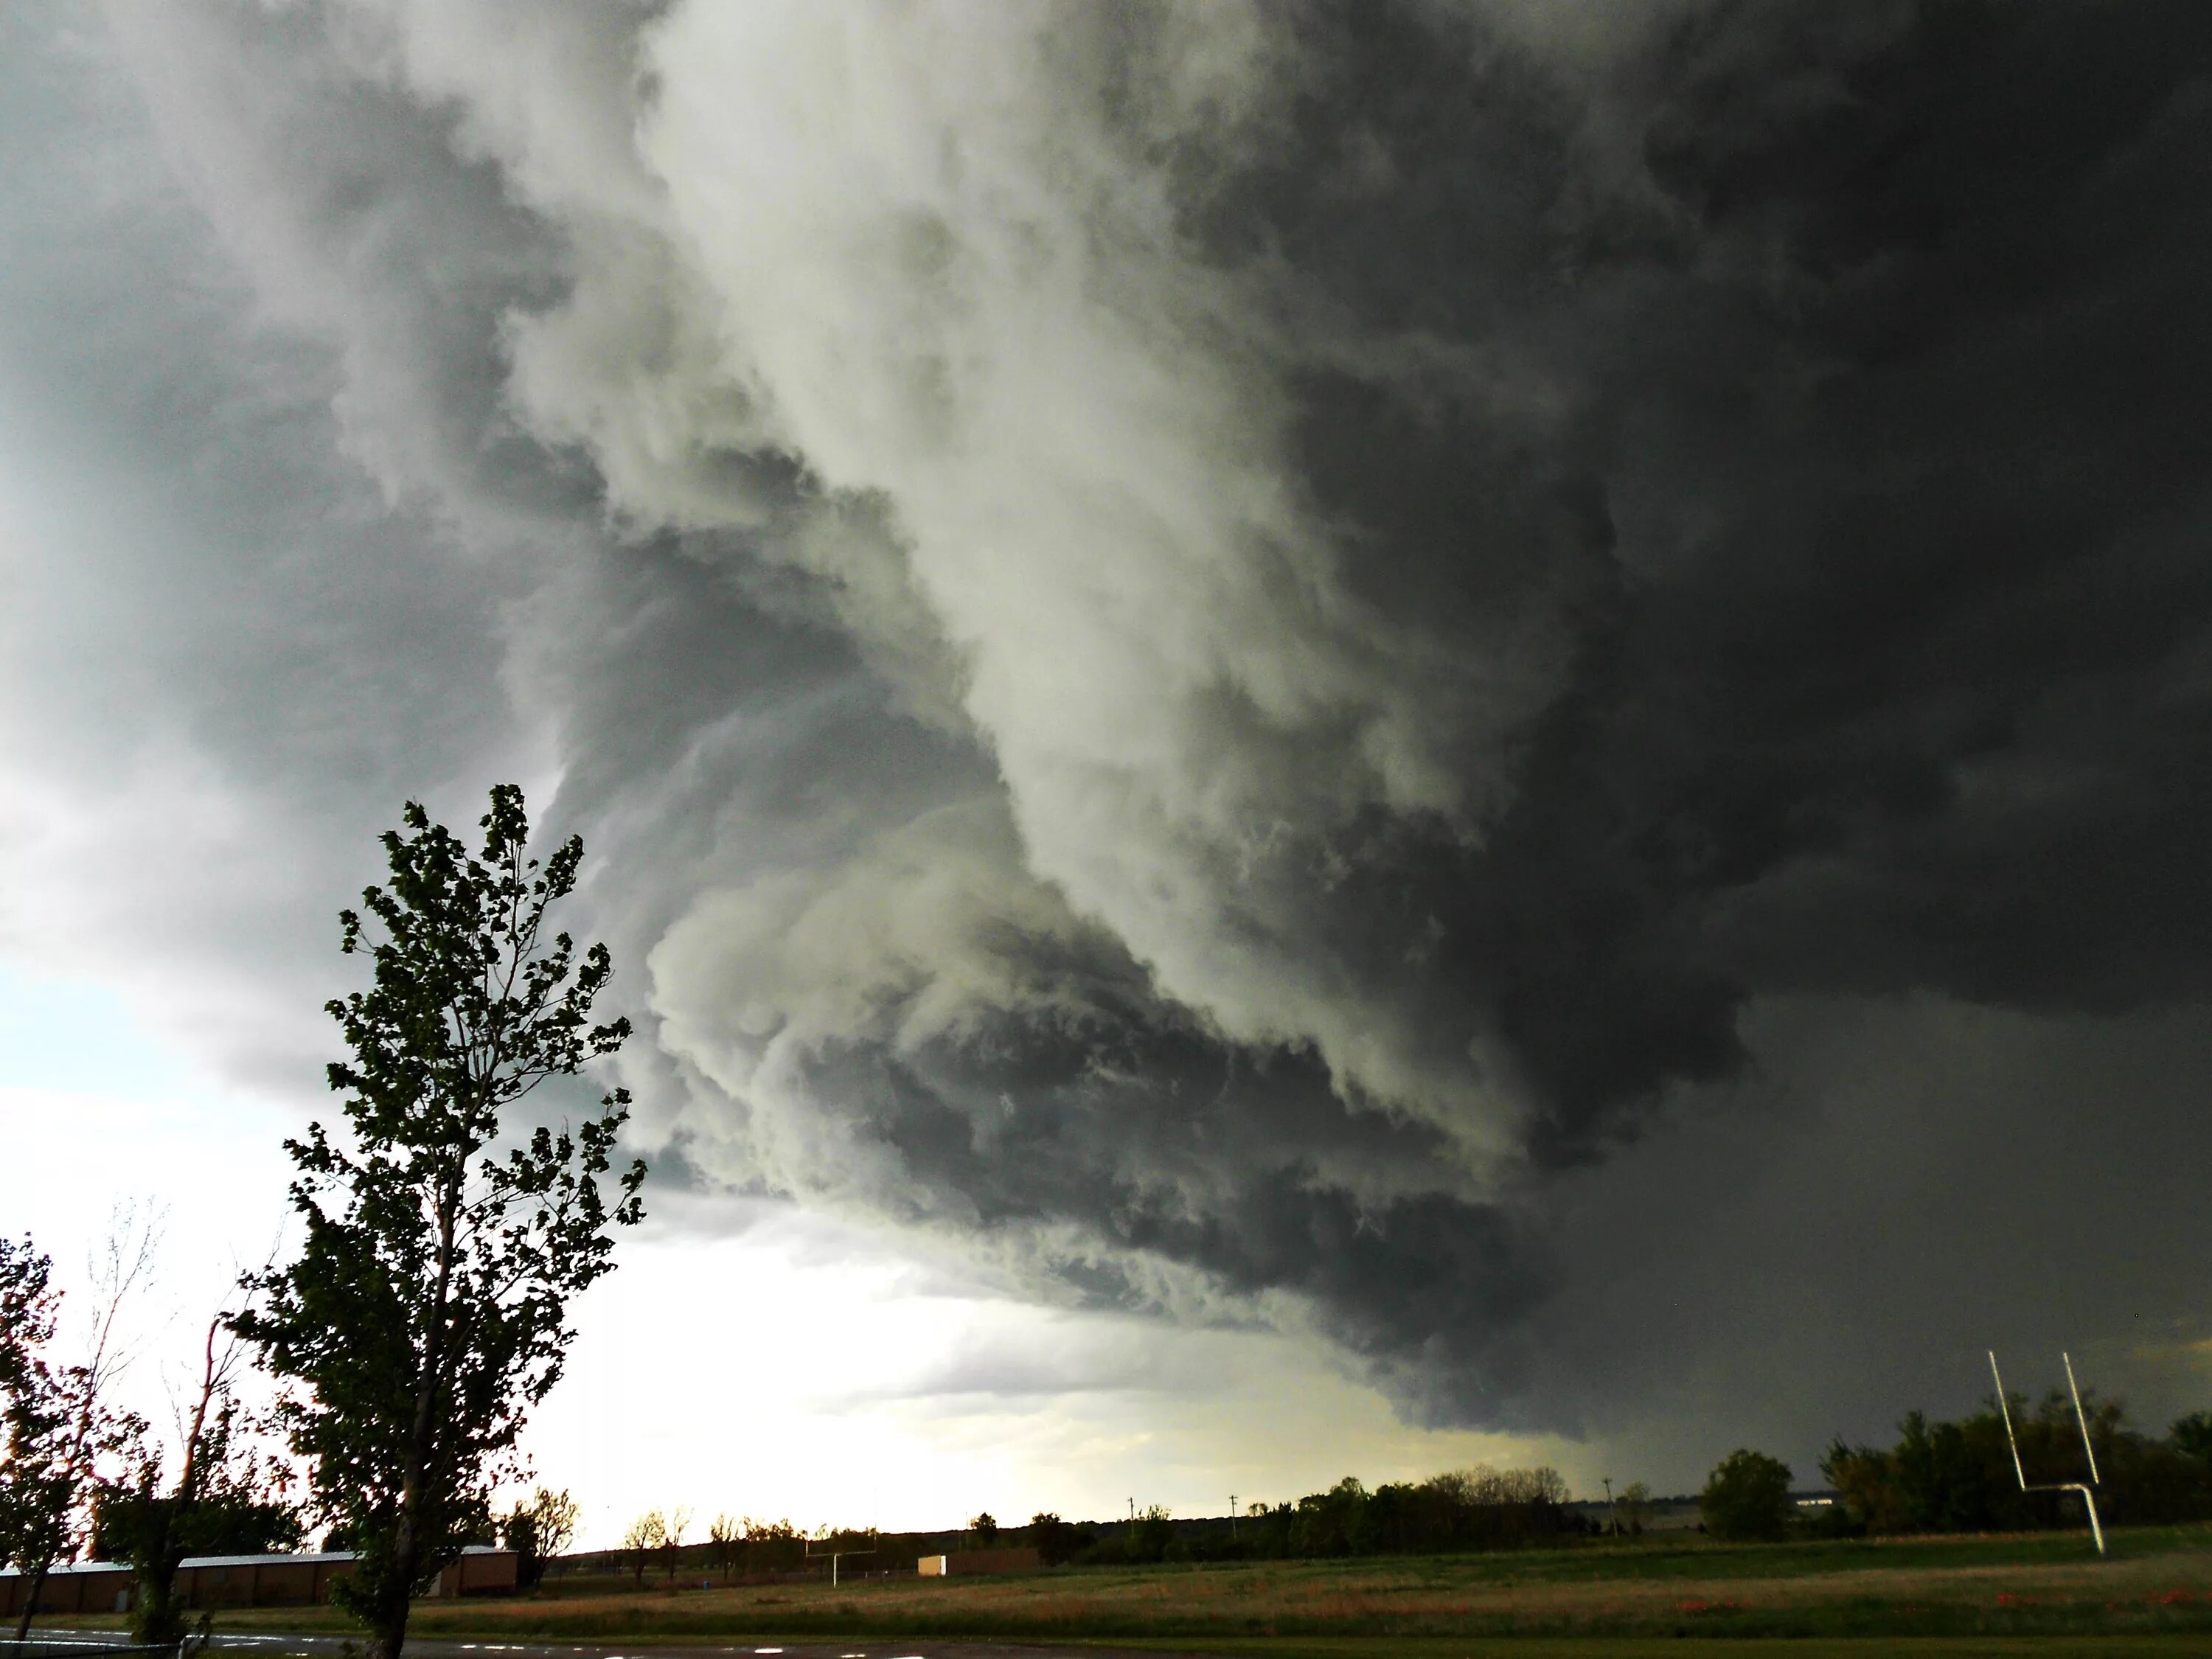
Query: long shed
[(242, 1580)]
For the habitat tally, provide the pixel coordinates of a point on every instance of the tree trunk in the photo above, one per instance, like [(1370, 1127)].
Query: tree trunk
[(387, 1620), (387, 1617), (156, 1622), (31, 1601)]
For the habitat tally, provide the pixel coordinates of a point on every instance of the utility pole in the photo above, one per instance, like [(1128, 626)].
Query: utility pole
[(1232, 1514)]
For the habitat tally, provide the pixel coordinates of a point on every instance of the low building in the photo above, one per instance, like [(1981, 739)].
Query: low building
[(966, 1564), (260, 1580), (72, 1587), (481, 1571), (211, 1581)]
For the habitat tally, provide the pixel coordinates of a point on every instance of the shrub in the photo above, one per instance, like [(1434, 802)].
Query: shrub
[(1747, 1496)]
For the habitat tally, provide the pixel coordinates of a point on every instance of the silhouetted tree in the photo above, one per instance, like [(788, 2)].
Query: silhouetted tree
[(61, 1426), (1633, 1507), (722, 1536), (647, 1534), (426, 1311), (1959, 1476), (538, 1530), (671, 1539), (1747, 1496), (224, 1500), (1053, 1539)]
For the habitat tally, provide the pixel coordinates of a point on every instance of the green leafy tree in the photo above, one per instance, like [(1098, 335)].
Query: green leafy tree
[(986, 1528), (61, 1428), (27, 1302), (1747, 1496), (1332, 1523), (32, 1492), (773, 1545), (1959, 1476), (1154, 1531), (427, 1309), (1054, 1538)]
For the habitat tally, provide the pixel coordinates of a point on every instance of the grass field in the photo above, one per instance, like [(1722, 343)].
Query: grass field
[(2158, 1583)]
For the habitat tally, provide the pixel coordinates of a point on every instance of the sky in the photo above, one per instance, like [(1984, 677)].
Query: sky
[(1316, 738)]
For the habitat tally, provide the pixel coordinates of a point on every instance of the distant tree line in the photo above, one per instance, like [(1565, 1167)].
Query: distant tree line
[(737, 1548), (1959, 1476), (1477, 1509)]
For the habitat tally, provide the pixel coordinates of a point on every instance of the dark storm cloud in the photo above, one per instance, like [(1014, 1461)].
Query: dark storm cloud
[(1877, 485), (1237, 654)]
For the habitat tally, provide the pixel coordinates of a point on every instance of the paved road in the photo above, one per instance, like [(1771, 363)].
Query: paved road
[(275, 1645)]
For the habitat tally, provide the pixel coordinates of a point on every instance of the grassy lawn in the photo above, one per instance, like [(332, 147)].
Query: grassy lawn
[(1613, 1647), (2157, 1585)]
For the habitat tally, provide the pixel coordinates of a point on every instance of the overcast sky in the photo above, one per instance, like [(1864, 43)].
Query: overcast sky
[(1311, 735)]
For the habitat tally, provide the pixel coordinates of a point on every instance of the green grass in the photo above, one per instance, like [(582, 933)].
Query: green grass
[(1616, 1647), (2154, 1592)]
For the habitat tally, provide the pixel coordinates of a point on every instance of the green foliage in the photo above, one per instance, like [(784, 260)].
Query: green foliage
[(1959, 1477), (1332, 1523), (737, 1545), (986, 1528), (35, 1493), (1053, 1540), (426, 1311), (240, 1522), (27, 1304), (235, 1513), (1747, 1496), (1152, 1536), (773, 1545), (60, 1430), (1473, 1509)]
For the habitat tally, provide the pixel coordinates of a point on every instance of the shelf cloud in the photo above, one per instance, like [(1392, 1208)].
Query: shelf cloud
[(1252, 658)]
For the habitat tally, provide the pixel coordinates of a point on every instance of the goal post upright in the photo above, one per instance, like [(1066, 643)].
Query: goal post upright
[(835, 1553), (2089, 1497), (2079, 1416)]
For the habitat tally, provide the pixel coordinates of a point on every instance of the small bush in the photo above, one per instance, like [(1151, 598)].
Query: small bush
[(1747, 1496)]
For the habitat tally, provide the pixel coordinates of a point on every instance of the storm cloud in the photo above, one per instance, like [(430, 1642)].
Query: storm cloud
[(1251, 658)]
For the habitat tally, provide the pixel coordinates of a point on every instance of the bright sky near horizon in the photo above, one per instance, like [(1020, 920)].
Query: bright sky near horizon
[(793, 1370)]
